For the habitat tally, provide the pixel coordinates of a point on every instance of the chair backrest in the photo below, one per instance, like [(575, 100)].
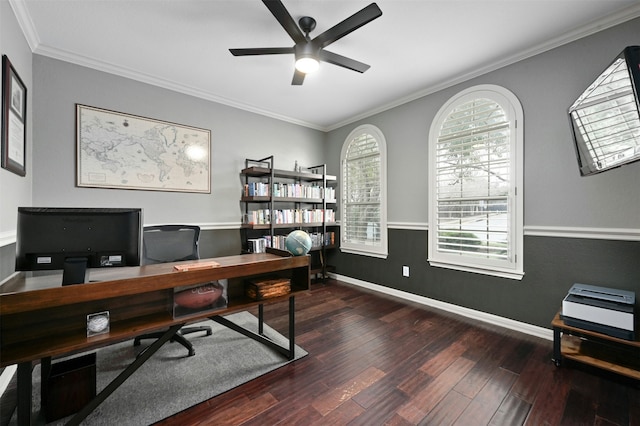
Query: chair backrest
[(170, 243)]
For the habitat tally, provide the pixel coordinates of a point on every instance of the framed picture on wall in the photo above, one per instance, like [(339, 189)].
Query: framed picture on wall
[(124, 151), (14, 119)]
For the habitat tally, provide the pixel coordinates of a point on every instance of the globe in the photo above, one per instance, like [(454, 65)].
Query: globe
[(298, 243)]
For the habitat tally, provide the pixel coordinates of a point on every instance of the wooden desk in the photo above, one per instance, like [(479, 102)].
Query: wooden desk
[(40, 319)]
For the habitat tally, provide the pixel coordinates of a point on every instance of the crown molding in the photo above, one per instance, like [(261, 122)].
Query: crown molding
[(29, 30), (31, 35), (593, 27), (175, 86), (26, 23)]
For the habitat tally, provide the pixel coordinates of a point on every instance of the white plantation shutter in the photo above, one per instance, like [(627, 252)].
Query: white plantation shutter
[(473, 181), (363, 213), (475, 215)]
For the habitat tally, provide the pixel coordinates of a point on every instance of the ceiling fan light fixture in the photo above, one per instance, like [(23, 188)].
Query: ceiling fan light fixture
[(307, 64), (309, 52)]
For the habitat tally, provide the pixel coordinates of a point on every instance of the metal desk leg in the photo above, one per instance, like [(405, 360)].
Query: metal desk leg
[(557, 353), (288, 352), (292, 328), (124, 375), (24, 393), (45, 373)]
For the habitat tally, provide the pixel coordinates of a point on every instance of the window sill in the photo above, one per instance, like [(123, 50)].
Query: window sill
[(364, 252), (503, 273)]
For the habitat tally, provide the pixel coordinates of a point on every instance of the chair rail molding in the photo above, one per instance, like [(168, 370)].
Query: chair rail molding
[(622, 234)]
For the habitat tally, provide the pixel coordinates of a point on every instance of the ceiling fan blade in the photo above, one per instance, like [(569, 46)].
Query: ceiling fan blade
[(342, 61), (282, 15), (298, 78), (261, 51), (352, 23)]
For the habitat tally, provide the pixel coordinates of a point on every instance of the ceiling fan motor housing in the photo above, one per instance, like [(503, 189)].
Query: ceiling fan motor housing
[(306, 50)]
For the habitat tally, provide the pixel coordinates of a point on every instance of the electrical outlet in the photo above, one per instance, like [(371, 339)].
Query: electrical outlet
[(405, 271)]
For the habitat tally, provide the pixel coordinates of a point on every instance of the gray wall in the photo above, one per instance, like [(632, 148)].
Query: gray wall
[(235, 135), (15, 190), (558, 202), (54, 87)]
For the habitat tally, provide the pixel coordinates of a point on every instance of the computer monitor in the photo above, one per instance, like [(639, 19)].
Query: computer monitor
[(74, 239)]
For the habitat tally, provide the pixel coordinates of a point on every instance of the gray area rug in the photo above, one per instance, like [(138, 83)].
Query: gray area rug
[(170, 382)]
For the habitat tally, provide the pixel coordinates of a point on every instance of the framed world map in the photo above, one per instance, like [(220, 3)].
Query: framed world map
[(123, 151)]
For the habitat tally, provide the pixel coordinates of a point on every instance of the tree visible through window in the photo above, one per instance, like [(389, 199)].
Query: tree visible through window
[(475, 169), (363, 209)]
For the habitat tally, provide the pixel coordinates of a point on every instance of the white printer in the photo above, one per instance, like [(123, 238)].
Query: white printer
[(605, 310)]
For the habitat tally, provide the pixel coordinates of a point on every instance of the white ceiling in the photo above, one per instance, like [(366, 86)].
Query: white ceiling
[(415, 47)]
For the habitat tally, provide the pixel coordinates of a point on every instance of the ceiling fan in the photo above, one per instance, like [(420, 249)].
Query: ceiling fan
[(308, 52)]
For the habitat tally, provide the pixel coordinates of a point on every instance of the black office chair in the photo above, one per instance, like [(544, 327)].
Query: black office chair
[(171, 243)]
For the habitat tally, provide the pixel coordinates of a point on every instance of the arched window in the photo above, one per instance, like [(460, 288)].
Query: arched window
[(363, 216), (475, 183)]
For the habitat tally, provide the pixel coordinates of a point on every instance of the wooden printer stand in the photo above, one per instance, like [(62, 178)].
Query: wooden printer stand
[(596, 349)]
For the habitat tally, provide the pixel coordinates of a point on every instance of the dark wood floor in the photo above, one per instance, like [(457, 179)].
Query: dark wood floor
[(377, 360)]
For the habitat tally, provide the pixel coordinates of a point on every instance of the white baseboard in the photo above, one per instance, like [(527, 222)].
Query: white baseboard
[(522, 327)]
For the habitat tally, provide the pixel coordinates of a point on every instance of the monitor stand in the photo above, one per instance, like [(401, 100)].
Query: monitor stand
[(75, 270)]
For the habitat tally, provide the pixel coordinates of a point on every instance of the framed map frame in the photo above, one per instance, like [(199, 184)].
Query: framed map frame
[(14, 120), (123, 151)]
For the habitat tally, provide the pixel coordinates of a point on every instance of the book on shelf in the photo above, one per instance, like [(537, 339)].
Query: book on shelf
[(298, 190), (259, 245), (330, 238), (256, 245), (257, 217), (292, 216), (256, 189), (317, 239), (302, 216), (329, 194)]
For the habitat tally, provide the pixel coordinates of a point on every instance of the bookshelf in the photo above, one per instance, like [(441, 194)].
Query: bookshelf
[(277, 201)]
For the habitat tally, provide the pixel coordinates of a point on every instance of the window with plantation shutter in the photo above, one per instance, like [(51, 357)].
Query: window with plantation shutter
[(475, 182), (363, 224)]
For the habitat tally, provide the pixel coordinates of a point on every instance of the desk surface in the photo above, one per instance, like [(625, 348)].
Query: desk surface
[(20, 293), (40, 318)]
